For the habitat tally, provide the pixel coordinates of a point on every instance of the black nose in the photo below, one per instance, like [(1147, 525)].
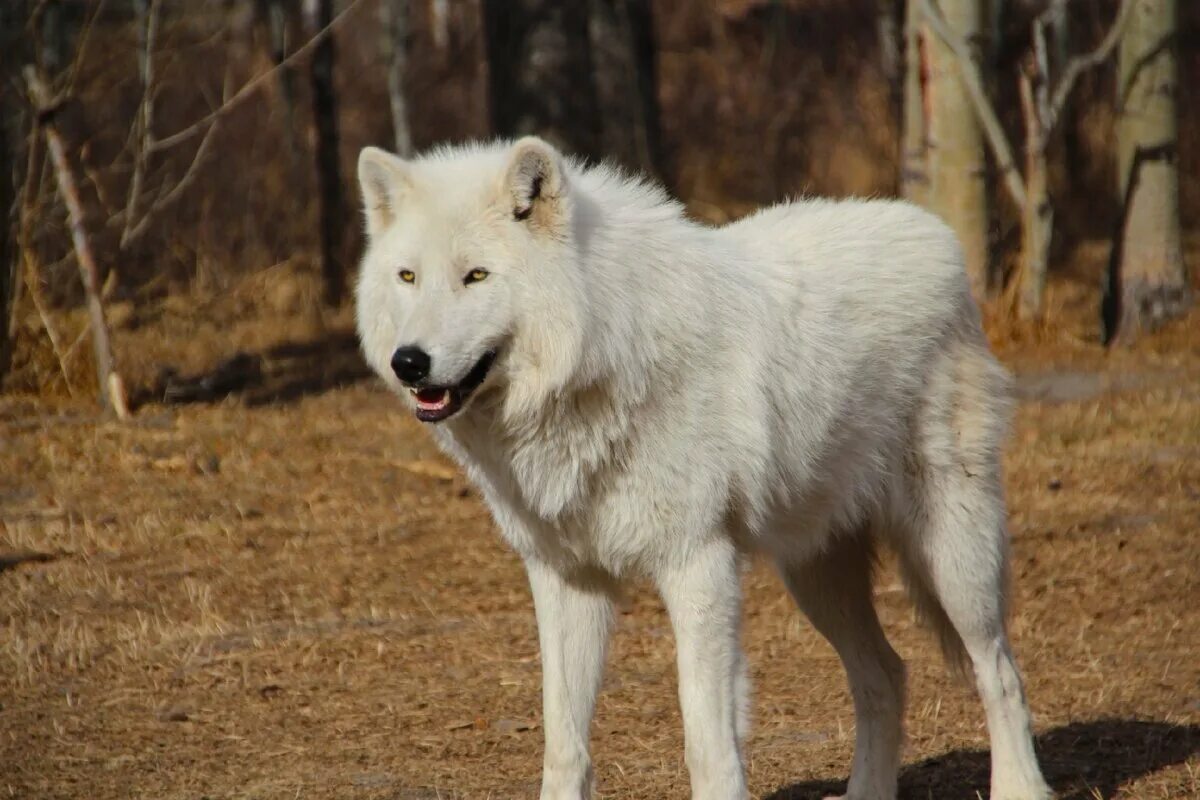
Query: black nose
[(411, 364)]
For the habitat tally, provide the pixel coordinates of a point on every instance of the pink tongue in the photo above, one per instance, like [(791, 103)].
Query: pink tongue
[(431, 396)]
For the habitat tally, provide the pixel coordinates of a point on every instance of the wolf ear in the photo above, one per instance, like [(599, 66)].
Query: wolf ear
[(535, 183), (383, 179)]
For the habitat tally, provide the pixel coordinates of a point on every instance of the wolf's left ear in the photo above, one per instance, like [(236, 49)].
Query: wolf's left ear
[(536, 183), (383, 178)]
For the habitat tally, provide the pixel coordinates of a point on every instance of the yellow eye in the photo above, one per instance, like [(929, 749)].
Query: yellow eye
[(475, 276), (407, 275)]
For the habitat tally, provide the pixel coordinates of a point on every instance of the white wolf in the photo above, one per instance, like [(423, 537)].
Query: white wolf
[(636, 394)]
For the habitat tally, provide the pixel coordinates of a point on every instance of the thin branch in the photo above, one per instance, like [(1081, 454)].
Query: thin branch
[(134, 231), (1041, 74), (27, 270), (973, 81), (35, 18), (31, 192), (84, 38), (134, 227), (33, 282), (146, 117), (166, 197), (1054, 15), (69, 353), (97, 183), (1029, 111), (249, 88), (1080, 64)]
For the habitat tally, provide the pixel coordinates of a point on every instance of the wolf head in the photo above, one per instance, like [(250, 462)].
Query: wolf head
[(469, 282)]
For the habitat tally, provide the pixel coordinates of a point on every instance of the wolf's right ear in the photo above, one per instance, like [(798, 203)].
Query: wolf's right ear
[(536, 183), (383, 179)]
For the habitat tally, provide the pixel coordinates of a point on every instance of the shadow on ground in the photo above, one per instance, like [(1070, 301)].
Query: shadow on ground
[(279, 374), (1081, 761)]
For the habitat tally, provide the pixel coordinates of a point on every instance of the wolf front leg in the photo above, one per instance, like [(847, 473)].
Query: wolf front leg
[(573, 628), (703, 597)]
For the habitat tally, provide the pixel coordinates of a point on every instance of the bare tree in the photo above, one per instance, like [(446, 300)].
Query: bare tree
[(887, 32), (1044, 94), (12, 18), (583, 75), (439, 22), (62, 41), (282, 20), (142, 207), (318, 16), (56, 23), (148, 12), (112, 390), (891, 36), (954, 141), (8, 261), (914, 172), (394, 14), (1147, 277), (139, 214), (1056, 19), (625, 72), (540, 72)]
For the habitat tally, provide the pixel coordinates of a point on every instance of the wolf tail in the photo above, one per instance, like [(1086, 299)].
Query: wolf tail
[(932, 614)]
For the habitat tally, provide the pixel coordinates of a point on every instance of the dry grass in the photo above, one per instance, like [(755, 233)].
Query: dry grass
[(301, 599)]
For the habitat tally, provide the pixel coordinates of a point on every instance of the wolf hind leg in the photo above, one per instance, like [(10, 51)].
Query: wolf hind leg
[(950, 534), (833, 589), (955, 560)]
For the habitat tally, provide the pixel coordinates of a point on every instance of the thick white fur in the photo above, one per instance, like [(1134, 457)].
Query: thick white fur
[(670, 396)]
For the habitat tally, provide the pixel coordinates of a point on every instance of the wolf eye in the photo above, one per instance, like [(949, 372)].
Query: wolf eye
[(475, 276), (407, 275)]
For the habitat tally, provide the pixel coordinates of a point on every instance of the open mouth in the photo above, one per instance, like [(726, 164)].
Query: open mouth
[(436, 403)]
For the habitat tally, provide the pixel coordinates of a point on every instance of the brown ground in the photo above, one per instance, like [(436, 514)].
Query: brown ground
[(288, 594)]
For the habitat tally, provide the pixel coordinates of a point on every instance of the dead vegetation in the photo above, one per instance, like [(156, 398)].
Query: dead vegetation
[(283, 591), (267, 584)]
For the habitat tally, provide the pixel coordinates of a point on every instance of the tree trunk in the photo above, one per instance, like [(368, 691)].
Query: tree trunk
[(540, 73), (8, 260), (958, 190), (439, 22), (148, 16), (394, 18), (12, 117), (622, 42), (318, 14), (1037, 215), (887, 33), (59, 23), (281, 24), (1148, 281), (914, 172), (1058, 20), (112, 390)]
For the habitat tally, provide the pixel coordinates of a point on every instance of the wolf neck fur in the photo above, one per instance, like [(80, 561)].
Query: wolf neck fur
[(570, 415)]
